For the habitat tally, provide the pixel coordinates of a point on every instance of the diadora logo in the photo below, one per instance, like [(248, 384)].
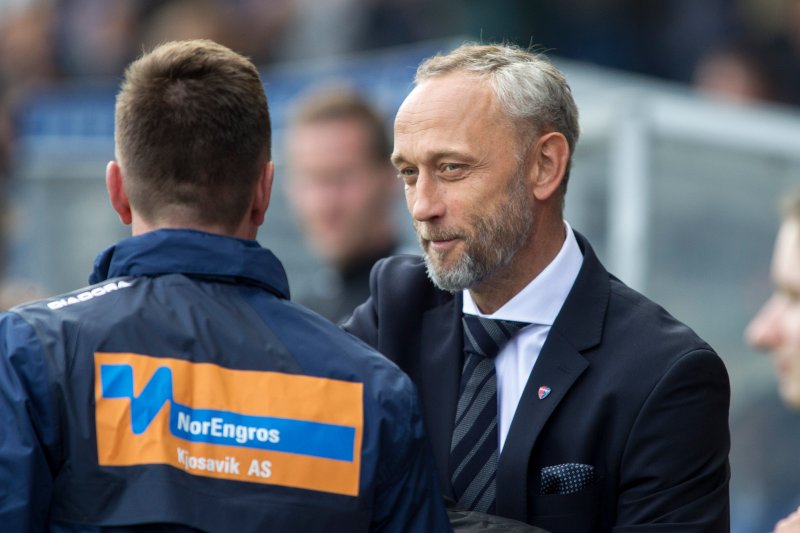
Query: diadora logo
[(265, 427), (89, 294)]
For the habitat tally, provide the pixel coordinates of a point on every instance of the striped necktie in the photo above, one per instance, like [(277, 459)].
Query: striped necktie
[(473, 449)]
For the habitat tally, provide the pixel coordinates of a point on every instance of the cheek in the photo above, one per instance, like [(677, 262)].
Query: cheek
[(410, 196), (790, 388), (791, 328), (367, 192)]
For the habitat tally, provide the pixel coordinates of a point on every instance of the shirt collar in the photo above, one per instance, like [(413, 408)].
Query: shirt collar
[(540, 301), (194, 253)]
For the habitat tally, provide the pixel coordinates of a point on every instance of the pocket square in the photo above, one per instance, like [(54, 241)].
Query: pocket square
[(566, 478)]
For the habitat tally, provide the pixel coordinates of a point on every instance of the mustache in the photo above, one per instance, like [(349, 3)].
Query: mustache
[(428, 233)]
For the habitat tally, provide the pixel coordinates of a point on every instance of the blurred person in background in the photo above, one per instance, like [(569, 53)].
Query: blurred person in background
[(737, 73), (181, 20), (323, 30), (342, 189), (182, 390), (27, 63), (776, 327), (741, 72), (96, 37)]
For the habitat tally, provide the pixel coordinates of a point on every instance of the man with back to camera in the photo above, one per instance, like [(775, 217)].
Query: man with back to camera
[(183, 391), (342, 189), (602, 412), (776, 327)]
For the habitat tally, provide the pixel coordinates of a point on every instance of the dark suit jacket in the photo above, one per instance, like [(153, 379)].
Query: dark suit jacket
[(635, 394)]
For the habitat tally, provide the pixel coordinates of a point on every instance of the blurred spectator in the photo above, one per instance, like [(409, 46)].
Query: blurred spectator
[(26, 62), (776, 327), (97, 37), (190, 19), (786, 49), (662, 38), (13, 293), (26, 48), (324, 29), (342, 188), (5, 137), (260, 26), (743, 72)]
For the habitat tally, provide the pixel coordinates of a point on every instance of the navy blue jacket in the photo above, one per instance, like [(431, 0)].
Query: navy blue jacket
[(184, 390)]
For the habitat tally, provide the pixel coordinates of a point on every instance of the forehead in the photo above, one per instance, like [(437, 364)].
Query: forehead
[(345, 125), (786, 259), (456, 96), (332, 135), (453, 108)]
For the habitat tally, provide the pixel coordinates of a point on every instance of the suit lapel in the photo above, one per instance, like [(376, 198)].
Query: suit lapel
[(558, 366), (443, 340), (577, 327)]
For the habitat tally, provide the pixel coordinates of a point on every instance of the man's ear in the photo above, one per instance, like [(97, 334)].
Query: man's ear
[(551, 153), (117, 194), (262, 194)]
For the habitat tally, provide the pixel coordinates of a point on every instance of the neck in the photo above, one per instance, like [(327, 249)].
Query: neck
[(545, 242), (140, 226)]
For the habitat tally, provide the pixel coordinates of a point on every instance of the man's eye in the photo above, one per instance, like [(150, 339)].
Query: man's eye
[(451, 171), (793, 297), (407, 174)]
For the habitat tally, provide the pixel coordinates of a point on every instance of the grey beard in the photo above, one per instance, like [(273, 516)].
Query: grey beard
[(465, 274), (497, 241)]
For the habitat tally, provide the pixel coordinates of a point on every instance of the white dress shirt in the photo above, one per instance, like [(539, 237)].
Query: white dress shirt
[(538, 303)]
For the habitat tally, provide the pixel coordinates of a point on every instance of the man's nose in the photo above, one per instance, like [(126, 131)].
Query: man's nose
[(425, 201), (764, 331)]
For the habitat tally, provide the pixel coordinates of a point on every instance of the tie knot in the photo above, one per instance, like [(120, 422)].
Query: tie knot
[(486, 336)]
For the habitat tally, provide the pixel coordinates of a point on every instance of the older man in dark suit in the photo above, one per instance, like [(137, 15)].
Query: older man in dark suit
[(553, 393)]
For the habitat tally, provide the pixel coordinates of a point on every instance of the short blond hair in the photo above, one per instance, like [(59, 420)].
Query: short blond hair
[(192, 132)]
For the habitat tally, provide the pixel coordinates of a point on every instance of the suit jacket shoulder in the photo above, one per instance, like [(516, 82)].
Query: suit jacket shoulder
[(400, 291)]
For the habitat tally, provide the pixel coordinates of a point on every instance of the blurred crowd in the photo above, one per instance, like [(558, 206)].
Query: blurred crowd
[(738, 50), (741, 49), (45, 42)]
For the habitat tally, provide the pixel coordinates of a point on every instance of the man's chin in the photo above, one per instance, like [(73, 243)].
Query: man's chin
[(446, 279), (790, 394), (436, 264)]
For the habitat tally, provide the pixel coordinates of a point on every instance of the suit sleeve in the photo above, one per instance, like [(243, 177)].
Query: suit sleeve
[(675, 472), (363, 323), (27, 429), (408, 498)]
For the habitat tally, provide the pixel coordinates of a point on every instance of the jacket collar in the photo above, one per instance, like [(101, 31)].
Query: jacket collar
[(193, 253), (582, 316)]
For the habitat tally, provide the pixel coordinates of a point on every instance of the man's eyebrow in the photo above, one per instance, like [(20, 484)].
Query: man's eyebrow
[(397, 160)]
